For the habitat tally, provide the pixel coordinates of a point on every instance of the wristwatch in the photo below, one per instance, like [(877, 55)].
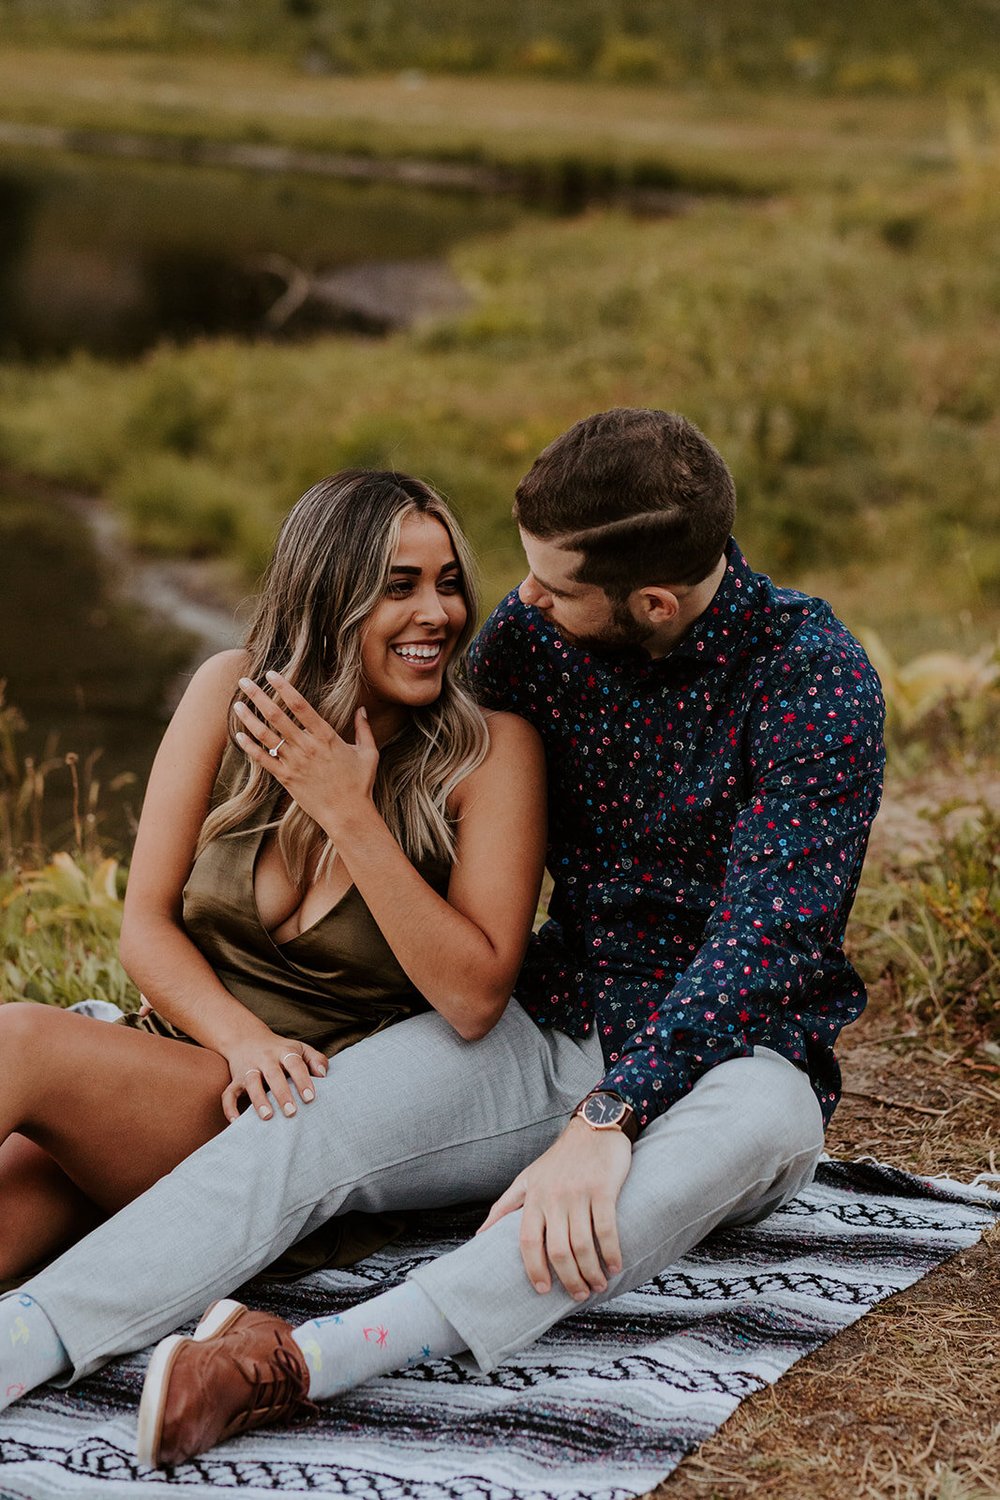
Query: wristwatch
[(603, 1110)]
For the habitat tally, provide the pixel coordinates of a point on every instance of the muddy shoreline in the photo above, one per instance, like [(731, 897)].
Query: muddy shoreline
[(567, 187), (203, 600)]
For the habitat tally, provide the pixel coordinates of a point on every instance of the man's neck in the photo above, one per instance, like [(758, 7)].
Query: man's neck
[(693, 603)]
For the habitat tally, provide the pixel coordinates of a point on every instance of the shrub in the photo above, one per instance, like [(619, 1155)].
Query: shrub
[(59, 917), (187, 507), (934, 929), (940, 702), (634, 59), (172, 413), (59, 929), (549, 57), (896, 73)]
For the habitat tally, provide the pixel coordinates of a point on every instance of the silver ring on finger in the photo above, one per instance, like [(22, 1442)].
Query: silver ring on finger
[(253, 1070), (292, 1054), (273, 752)]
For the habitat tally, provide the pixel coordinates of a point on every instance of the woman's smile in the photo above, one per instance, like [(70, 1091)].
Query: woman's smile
[(423, 656), (412, 632)]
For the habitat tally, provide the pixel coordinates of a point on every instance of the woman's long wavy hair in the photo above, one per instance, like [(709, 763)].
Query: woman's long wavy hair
[(331, 567)]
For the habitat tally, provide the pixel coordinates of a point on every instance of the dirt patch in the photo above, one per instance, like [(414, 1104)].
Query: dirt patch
[(905, 1405)]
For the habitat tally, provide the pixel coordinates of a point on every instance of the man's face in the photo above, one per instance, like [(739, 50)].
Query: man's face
[(581, 612)]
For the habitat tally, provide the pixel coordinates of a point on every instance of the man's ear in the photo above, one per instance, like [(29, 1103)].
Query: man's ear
[(655, 605)]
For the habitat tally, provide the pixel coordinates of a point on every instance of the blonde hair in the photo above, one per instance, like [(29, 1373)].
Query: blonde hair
[(331, 566)]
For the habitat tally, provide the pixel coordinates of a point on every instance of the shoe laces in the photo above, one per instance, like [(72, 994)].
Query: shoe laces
[(277, 1390)]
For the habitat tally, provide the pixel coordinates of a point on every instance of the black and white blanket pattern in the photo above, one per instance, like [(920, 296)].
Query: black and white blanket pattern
[(604, 1407)]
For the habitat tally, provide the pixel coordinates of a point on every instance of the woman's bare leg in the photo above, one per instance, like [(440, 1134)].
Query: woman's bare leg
[(92, 1115)]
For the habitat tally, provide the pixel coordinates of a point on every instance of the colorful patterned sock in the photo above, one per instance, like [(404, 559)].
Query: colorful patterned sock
[(31, 1351), (399, 1328)]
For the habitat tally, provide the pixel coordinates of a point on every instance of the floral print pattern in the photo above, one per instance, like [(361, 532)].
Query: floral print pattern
[(709, 814)]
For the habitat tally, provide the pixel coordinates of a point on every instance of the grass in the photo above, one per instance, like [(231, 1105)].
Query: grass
[(727, 136), (933, 929), (60, 914), (805, 46), (59, 928)]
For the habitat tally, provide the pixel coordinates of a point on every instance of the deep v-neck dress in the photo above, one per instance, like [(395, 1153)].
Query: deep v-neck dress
[(331, 985)]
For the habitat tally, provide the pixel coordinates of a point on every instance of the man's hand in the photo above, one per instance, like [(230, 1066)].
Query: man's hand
[(569, 1196)]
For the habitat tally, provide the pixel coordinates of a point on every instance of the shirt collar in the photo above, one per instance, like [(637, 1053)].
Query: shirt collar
[(712, 640), (715, 635)]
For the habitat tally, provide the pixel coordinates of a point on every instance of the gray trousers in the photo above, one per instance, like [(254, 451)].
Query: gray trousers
[(415, 1117)]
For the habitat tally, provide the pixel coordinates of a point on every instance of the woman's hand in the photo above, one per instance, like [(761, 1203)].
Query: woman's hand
[(321, 772), (268, 1062)]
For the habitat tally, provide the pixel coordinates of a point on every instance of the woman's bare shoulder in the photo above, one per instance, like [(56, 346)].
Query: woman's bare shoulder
[(203, 712), (508, 730), (515, 749), (216, 680), (223, 670)]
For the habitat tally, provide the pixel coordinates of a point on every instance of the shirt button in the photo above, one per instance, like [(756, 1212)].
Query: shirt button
[(626, 863)]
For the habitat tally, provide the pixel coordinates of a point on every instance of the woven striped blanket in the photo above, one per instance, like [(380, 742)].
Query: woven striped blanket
[(604, 1407)]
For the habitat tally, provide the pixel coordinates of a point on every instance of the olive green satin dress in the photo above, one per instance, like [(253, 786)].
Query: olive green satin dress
[(331, 985)]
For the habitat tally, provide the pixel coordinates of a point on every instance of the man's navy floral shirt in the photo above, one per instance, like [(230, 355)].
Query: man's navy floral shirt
[(708, 817)]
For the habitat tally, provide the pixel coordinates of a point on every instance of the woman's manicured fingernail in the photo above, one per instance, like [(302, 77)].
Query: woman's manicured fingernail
[(289, 1109), (245, 683), (265, 1114), (240, 737), (541, 1287), (272, 676), (307, 1095), (580, 1296)]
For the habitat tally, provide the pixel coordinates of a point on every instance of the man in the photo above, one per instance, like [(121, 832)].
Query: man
[(715, 761)]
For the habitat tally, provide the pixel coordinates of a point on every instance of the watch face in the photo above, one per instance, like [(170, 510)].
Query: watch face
[(603, 1109)]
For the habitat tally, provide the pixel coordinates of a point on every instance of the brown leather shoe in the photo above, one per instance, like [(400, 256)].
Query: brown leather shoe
[(242, 1369)]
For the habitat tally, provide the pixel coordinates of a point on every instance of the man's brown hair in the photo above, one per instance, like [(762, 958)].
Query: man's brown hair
[(641, 493)]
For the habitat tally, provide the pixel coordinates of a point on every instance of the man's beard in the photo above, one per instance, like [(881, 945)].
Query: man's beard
[(622, 631)]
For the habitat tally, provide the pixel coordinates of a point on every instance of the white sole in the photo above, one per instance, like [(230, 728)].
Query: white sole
[(150, 1422), (217, 1318)]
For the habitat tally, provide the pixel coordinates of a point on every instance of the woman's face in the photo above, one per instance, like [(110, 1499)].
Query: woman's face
[(411, 633)]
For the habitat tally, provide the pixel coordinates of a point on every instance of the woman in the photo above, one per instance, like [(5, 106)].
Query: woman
[(333, 837)]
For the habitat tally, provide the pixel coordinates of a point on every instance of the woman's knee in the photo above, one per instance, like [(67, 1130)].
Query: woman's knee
[(24, 1024)]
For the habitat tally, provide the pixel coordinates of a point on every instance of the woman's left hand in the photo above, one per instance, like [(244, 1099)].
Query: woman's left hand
[(321, 772)]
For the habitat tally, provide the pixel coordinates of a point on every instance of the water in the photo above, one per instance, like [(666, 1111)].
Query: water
[(112, 256), (90, 672)]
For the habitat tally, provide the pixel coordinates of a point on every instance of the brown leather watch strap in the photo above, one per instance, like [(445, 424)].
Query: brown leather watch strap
[(625, 1121)]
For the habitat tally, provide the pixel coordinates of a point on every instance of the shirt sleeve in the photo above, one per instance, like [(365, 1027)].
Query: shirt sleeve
[(771, 968)]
